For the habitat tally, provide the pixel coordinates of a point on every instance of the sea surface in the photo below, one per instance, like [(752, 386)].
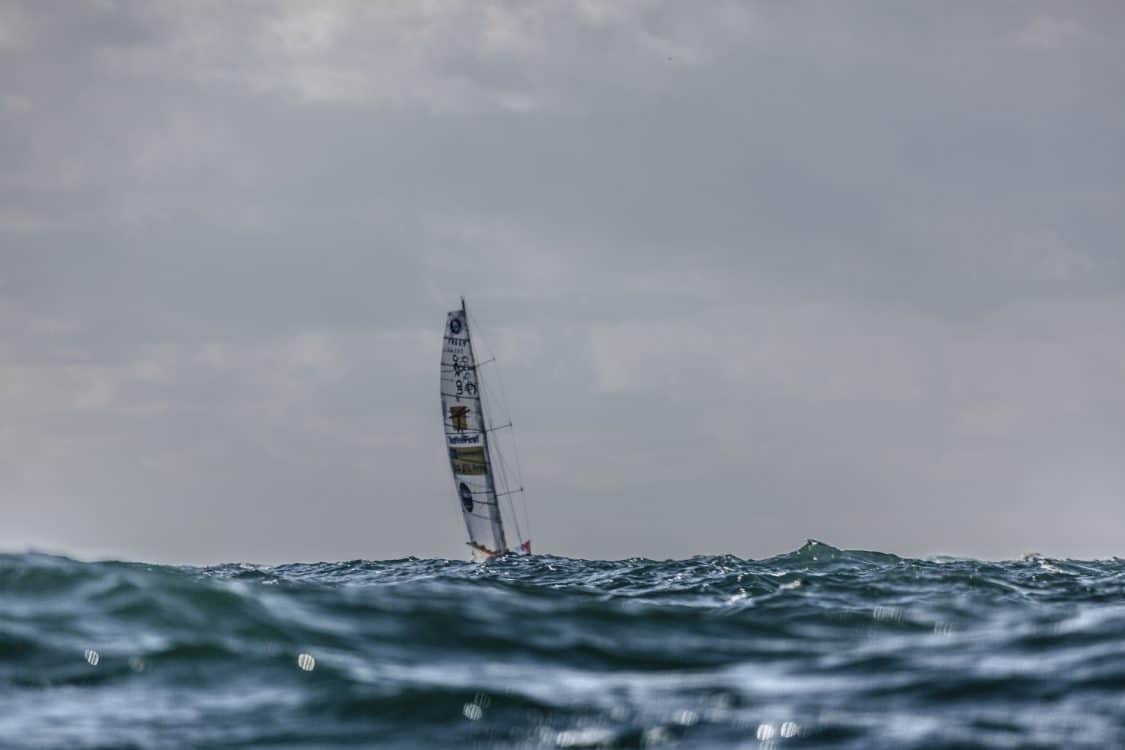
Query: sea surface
[(819, 647)]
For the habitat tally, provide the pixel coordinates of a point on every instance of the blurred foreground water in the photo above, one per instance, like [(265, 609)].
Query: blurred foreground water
[(816, 648)]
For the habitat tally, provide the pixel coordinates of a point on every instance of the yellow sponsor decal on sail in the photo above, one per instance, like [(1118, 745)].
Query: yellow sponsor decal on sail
[(467, 460), (459, 418)]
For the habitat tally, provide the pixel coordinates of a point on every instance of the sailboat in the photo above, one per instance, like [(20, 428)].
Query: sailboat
[(482, 492)]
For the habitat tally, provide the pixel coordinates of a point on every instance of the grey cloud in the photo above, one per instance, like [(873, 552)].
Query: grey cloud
[(756, 273)]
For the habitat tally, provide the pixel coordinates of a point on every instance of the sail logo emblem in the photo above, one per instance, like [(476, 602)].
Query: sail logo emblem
[(459, 417), (455, 326), (468, 461)]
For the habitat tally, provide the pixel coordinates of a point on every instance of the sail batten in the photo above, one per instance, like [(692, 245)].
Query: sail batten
[(467, 441)]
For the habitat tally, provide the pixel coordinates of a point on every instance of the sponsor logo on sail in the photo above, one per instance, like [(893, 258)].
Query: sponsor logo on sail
[(455, 326), (459, 418), (468, 461)]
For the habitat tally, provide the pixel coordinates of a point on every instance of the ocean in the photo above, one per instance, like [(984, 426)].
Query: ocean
[(820, 647)]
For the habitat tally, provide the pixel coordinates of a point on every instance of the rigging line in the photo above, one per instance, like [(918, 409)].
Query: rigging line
[(459, 367), (503, 471), (496, 447), (515, 518), (482, 502), (459, 396), (502, 463), (486, 492), (511, 505), (482, 389), (500, 467), (515, 443), (449, 425)]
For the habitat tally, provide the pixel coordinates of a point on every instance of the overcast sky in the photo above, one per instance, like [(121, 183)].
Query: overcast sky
[(754, 272)]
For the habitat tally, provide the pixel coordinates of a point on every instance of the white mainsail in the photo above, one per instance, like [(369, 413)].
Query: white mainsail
[(466, 438)]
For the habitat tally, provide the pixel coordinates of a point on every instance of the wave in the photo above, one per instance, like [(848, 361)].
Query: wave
[(816, 647)]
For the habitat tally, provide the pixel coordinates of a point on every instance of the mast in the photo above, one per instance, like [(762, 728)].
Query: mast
[(490, 481)]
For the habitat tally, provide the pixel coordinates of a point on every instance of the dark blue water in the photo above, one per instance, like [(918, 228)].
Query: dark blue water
[(816, 648)]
